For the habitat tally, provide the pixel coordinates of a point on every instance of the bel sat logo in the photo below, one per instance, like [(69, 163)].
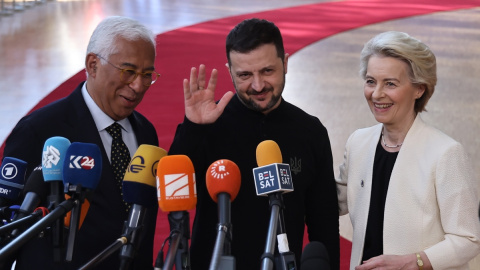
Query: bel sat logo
[(272, 178)]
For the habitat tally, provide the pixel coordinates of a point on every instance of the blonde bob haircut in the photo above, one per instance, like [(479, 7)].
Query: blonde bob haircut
[(418, 56)]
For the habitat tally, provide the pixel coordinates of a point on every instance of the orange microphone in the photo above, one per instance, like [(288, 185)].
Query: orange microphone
[(83, 213), (223, 183), (177, 193), (176, 188), (223, 177)]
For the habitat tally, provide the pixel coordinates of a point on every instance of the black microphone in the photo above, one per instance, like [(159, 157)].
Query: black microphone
[(223, 181), (139, 189), (82, 170), (34, 193), (53, 157), (272, 179), (12, 180), (35, 229), (315, 257)]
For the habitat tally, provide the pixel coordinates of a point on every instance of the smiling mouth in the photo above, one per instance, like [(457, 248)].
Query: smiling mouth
[(129, 99), (382, 106)]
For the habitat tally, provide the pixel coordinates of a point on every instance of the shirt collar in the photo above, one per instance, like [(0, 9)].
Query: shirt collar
[(102, 120)]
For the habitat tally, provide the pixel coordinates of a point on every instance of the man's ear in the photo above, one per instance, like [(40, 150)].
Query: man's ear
[(91, 64), (285, 62), (228, 70)]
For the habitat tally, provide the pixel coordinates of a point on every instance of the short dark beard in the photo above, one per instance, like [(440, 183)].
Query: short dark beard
[(249, 103)]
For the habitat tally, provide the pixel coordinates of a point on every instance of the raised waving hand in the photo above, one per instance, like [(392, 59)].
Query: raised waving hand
[(200, 105)]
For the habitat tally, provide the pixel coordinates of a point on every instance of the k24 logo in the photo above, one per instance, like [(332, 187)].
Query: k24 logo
[(81, 162)]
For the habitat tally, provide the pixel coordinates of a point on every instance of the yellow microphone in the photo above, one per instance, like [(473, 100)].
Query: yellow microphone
[(139, 189), (268, 152), (139, 184)]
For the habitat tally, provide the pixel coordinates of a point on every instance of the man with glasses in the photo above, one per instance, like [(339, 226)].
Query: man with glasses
[(120, 69)]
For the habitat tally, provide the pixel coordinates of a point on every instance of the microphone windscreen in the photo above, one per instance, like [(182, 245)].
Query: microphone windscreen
[(35, 183), (12, 177), (139, 183), (315, 257), (83, 213), (53, 157), (83, 165), (223, 176), (268, 152), (176, 188)]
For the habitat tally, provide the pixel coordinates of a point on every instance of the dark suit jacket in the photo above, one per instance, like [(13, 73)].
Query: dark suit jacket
[(70, 118)]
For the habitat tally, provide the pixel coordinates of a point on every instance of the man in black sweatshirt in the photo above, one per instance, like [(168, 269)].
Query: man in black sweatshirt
[(233, 127)]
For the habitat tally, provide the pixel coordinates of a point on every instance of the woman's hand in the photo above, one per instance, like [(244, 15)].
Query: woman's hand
[(397, 262)]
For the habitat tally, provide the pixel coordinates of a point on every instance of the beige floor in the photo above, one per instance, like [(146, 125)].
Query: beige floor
[(44, 45)]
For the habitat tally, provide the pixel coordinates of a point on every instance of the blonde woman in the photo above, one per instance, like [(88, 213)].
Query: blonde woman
[(407, 186)]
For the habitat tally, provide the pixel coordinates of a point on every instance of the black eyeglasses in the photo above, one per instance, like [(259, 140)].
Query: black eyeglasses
[(127, 76)]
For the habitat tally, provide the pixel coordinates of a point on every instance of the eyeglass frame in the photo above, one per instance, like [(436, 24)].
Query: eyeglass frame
[(123, 70)]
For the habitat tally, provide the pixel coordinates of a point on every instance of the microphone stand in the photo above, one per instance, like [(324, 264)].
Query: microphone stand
[(178, 248), (224, 238), (125, 239), (106, 252), (133, 229), (34, 230), (27, 220), (56, 197), (267, 257), (78, 196), (284, 260)]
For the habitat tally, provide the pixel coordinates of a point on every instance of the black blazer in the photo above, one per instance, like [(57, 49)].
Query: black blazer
[(70, 118)]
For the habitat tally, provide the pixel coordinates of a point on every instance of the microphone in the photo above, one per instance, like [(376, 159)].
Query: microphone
[(315, 257), (271, 176), (177, 193), (35, 229), (34, 192), (12, 180), (53, 157), (223, 183), (82, 170), (272, 179), (83, 213), (139, 190)]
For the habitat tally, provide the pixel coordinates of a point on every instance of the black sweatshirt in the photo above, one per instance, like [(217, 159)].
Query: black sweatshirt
[(304, 144)]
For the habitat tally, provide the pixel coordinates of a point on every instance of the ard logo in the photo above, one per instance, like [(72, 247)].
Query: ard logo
[(9, 171), (295, 165)]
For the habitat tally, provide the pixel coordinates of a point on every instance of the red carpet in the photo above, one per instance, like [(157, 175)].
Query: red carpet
[(181, 49)]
